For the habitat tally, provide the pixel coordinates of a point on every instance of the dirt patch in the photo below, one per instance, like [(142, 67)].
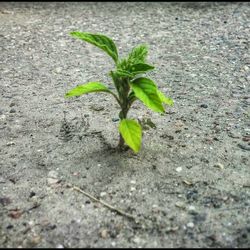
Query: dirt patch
[(189, 185)]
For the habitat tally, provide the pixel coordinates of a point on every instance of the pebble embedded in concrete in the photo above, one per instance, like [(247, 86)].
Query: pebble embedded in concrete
[(10, 143), (180, 204), (52, 174), (137, 240), (12, 111), (102, 194), (179, 169), (190, 224), (104, 233), (59, 246), (52, 181), (191, 208), (219, 165)]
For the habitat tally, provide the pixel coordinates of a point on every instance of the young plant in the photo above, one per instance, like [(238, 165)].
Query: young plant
[(130, 86)]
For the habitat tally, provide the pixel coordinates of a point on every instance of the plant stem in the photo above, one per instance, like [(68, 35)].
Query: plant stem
[(122, 115), (122, 87), (121, 142)]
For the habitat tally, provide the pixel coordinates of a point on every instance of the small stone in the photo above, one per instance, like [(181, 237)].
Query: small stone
[(97, 205), (9, 226), (12, 104), (12, 111), (97, 108), (58, 70), (53, 174), (10, 143), (69, 185), (246, 138), (32, 194), (15, 214), (2, 117), (52, 181), (115, 119), (35, 240), (179, 169), (219, 165), (102, 194), (244, 147), (132, 189), (76, 173), (132, 182), (190, 225), (204, 105), (137, 240), (104, 233), (7, 12), (187, 182), (31, 223), (155, 209), (45, 222), (172, 229), (154, 166), (191, 208), (59, 246), (180, 204)]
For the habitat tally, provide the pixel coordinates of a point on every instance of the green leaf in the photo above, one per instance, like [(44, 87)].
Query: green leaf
[(146, 91), (132, 133), (140, 68), (87, 88), (122, 64), (138, 54), (123, 73), (133, 70), (166, 100), (131, 96), (101, 41)]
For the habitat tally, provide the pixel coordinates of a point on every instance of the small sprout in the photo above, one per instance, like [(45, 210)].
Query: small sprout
[(129, 86)]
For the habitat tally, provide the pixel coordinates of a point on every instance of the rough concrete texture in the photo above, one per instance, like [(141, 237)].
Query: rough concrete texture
[(189, 186)]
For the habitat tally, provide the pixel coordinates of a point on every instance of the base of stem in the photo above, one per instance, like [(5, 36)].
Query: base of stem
[(121, 142), (121, 145)]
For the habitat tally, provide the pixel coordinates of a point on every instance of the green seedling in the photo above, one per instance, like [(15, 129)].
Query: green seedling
[(129, 83)]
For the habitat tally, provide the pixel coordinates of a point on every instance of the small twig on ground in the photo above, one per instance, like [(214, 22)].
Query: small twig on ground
[(105, 204)]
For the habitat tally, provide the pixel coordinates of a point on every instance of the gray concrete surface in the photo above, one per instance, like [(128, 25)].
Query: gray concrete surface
[(188, 186)]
